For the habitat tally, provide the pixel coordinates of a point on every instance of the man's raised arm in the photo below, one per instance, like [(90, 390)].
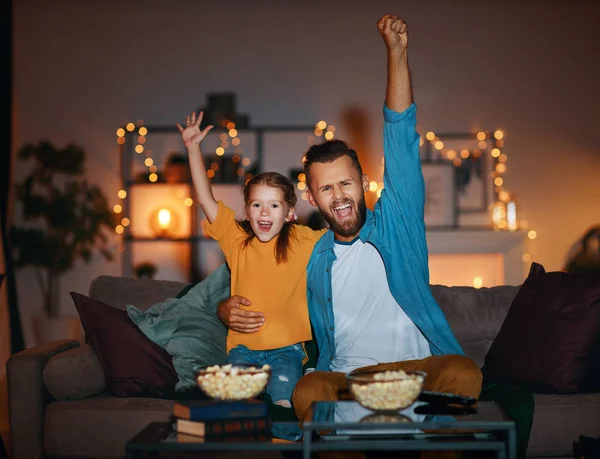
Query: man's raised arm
[(404, 193), (398, 95)]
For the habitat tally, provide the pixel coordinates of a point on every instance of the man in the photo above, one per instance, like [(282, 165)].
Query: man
[(368, 290)]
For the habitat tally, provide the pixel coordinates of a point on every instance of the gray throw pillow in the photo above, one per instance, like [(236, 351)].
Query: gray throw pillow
[(74, 374), (188, 327)]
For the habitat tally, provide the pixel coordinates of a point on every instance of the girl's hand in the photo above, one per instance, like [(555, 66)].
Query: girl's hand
[(192, 134)]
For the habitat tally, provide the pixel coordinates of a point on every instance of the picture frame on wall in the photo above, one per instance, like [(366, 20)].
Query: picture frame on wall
[(440, 195), (473, 167), (473, 181)]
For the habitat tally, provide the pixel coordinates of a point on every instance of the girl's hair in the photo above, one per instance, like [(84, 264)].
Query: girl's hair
[(274, 180)]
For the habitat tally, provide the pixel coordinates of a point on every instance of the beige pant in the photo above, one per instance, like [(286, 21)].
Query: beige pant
[(454, 374)]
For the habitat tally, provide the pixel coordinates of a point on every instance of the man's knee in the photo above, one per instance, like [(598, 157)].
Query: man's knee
[(461, 375), (467, 375), (311, 388)]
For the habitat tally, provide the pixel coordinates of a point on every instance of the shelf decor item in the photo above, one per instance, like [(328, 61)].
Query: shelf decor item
[(503, 213), (235, 151), (145, 270), (584, 257), (498, 215), (440, 195), (512, 223), (177, 169)]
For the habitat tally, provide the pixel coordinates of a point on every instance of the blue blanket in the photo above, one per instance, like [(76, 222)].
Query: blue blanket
[(188, 327)]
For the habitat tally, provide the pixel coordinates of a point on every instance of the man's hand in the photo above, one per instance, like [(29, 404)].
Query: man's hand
[(192, 134), (398, 95), (394, 32), (232, 314)]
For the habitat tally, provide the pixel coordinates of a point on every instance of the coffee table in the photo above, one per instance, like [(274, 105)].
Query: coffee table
[(346, 426), (159, 437)]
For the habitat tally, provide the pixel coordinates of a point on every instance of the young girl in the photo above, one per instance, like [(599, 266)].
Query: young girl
[(267, 255)]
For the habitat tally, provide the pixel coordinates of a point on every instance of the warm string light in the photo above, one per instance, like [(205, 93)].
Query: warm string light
[(148, 162), (124, 221), (322, 132), (327, 132), (484, 140), (504, 211), (122, 194), (139, 148), (302, 185), (231, 138)]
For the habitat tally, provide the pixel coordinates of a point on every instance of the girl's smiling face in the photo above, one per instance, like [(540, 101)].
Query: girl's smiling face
[(267, 211)]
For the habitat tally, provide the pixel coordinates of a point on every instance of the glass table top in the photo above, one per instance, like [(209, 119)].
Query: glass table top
[(350, 418)]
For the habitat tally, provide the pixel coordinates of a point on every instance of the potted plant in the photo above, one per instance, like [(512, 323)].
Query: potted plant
[(145, 270), (69, 218), (177, 168)]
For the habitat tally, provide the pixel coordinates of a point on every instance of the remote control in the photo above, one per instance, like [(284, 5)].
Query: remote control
[(442, 398)]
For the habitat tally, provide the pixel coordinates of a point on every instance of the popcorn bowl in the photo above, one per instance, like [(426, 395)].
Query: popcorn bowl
[(233, 382), (385, 418), (386, 391)]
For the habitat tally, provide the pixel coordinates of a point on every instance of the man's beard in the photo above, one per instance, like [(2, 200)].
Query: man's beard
[(350, 228)]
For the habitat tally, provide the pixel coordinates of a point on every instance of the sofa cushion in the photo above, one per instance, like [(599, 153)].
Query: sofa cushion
[(549, 333), (74, 374), (475, 315), (477, 350), (133, 365), (558, 421), (188, 327), (118, 292), (99, 426)]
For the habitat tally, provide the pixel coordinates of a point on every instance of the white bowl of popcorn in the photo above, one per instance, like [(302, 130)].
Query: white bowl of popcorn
[(233, 382), (386, 391)]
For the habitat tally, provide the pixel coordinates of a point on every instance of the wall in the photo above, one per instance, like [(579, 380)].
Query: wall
[(82, 69)]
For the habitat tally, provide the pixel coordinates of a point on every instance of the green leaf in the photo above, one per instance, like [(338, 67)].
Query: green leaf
[(74, 215)]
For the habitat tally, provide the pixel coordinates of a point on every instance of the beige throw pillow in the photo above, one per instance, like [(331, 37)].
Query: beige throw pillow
[(74, 374)]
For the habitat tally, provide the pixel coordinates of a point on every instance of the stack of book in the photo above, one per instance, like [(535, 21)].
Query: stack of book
[(209, 420)]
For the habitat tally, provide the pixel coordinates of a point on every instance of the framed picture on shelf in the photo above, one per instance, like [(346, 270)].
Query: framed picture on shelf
[(440, 195), (473, 166), (473, 170)]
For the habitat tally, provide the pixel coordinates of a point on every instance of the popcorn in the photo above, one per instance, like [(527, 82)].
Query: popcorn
[(228, 382), (386, 391)]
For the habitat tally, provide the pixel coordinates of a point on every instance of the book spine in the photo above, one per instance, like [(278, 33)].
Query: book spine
[(218, 412), (225, 427), (235, 427)]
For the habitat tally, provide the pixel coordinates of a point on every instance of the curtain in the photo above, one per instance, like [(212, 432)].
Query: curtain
[(11, 335), (8, 291)]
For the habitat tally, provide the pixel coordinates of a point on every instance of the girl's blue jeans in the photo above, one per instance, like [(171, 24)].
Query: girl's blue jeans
[(286, 370)]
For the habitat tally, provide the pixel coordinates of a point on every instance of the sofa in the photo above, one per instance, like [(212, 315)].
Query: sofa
[(99, 426)]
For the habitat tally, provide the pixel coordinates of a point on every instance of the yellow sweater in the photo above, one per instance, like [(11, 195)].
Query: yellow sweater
[(276, 290)]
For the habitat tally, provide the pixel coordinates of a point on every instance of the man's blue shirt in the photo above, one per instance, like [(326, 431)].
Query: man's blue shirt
[(396, 228)]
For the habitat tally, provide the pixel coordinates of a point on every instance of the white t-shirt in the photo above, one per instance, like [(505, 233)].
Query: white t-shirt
[(370, 326)]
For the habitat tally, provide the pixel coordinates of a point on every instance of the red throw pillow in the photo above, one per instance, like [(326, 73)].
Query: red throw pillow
[(550, 331), (133, 365)]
